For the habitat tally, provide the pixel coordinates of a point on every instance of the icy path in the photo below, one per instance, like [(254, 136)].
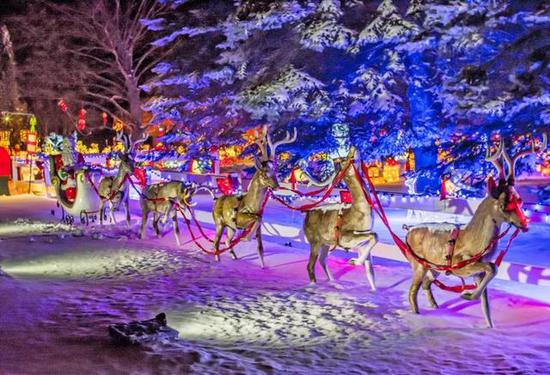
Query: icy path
[(234, 317)]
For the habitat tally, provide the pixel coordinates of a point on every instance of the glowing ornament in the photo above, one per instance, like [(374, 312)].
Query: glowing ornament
[(81, 125), (32, 136), (62, 105)]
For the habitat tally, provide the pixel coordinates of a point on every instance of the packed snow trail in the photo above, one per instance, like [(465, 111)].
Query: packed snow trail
[(63, 290)]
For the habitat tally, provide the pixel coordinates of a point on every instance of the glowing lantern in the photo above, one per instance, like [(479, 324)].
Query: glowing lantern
[(32, 137), (62, 105), (104, 118), (391, 170), (81, 125)]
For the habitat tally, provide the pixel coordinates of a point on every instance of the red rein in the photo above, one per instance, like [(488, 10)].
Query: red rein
[(407, 251)]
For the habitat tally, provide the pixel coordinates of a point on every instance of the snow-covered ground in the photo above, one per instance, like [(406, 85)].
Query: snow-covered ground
[(65, 286)]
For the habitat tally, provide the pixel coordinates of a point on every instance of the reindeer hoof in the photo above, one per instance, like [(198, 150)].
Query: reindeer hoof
[(217, 258), (355, 262), (468, 296), (233, 255)]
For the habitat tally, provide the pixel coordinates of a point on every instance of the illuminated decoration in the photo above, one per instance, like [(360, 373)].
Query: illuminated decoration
[(62, 105), (229, 155), (32, 137), (104, 118), (544, 166), (225, 185), (118, 125), (391, 171), (81, 124), (5, 138), (83, 149), (200, 166), (374, 172), (410, 161), (32, 141)]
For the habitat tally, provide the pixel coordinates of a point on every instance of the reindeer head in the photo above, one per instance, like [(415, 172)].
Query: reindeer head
[(266, 168), (508, 204), (339, 165), (127, 164), (185, 195)]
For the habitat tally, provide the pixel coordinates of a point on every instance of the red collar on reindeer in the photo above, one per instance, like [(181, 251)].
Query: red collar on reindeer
[(514, 204)]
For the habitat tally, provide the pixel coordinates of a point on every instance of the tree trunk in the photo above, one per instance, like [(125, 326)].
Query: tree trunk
[(12, 89)]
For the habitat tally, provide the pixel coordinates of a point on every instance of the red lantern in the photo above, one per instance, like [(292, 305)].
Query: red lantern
[(62, 105), (104, 118), (81, 125)]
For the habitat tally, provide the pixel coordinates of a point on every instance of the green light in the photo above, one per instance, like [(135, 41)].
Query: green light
[(32, 122)]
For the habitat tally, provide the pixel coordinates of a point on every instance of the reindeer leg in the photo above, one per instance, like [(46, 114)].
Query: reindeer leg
[(127, 208), (485, 303), (219, 231), (366, 244), (323, 261), (427, 286), (260, 244), (156, 219), (418, 274), (228, 239), (176, 227), (112, 212), (101, 211), (144, 215), (314, 253), (367, 259), (370, 240), (489, 270)]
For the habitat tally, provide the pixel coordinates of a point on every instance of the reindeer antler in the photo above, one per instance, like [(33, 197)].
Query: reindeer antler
[(511, 161), (288, 139), (139, 141), (495, 158), (121, 137), (261, 140)]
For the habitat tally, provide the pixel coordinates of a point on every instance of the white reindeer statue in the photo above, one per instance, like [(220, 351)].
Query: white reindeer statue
[(433, 243), (115, 190), (348, 227)]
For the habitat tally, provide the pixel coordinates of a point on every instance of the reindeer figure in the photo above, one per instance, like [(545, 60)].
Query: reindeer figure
[(240, 211), (116, 189), (161, 199), (346, 227), (431, 241)]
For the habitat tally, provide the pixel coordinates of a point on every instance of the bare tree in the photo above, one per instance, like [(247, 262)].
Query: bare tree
[(96, 53), (8, 73)]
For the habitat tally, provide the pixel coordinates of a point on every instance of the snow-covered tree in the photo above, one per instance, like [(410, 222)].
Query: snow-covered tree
[(399, 75)]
